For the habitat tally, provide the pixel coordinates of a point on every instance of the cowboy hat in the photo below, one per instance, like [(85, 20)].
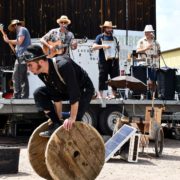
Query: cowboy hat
[(13, 22), (148, 28), (108, 24), (63, 18), (33, 53)]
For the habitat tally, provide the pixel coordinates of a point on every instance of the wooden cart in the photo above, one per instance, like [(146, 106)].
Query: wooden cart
[(149, 128)]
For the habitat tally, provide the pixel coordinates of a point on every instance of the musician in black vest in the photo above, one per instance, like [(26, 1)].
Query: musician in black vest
[(64, 80), (108, 63), (60, 34)]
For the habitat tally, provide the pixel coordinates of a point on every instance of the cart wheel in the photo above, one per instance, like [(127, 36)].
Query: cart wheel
[(159, 142)]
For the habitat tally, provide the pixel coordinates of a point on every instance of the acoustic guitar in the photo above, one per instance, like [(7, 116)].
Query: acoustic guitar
[(4, 34), (58, 48)]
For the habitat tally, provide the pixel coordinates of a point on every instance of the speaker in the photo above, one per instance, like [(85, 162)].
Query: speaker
[(166, 83), (177, 84)]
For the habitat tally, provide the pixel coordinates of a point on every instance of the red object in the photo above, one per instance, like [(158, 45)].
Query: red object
[(8, 95), (122, 72)]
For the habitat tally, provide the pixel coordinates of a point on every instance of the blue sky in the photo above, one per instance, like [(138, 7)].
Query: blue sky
[(168, 23)]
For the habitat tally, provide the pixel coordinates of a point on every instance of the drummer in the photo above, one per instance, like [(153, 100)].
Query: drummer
[(108, 63), (149, 51)]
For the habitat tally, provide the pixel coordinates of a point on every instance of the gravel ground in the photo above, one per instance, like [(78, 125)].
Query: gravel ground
[(148, 167)]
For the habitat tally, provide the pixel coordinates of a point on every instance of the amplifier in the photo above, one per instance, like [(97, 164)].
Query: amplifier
[(6, 81)]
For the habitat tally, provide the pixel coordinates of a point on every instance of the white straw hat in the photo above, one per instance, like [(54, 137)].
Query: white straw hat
[(148, 28)]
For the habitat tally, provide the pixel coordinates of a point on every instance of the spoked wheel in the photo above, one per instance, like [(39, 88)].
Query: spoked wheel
[(159, 142)]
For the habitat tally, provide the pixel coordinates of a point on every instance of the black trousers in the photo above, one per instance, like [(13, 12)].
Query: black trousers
[(44, 100), (110, 67)]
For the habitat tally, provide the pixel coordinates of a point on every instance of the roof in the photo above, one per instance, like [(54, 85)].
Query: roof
[(171, 50)]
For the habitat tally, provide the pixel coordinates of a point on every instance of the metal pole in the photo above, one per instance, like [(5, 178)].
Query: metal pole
[(102, 17), (127, 23)]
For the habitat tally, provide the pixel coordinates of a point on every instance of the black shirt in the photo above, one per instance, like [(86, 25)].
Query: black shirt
[(74, 76)]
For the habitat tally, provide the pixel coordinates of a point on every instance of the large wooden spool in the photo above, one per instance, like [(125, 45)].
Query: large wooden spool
[(75, 154), (36, 150)]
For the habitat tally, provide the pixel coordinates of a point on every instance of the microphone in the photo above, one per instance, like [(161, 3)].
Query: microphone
[(153, 35)]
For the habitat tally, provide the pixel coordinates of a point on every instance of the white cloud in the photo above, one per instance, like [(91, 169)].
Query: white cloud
[(168, 23)]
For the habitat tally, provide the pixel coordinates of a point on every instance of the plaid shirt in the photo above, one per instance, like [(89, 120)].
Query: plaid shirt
[(55, 35)]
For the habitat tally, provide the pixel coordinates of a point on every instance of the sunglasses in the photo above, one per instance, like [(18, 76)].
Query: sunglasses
[(64, 22)]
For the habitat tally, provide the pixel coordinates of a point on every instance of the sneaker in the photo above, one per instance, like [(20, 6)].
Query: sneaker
[(50, 130)]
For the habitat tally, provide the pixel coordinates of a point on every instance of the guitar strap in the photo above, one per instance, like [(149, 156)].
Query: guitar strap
[(56, 68)]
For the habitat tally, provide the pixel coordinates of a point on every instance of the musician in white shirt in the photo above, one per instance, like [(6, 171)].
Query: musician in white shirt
[(149, 52)]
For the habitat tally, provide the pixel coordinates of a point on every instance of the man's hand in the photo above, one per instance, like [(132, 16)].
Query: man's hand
[(106, 46), (68, 123), (74, 44), (150, 46)]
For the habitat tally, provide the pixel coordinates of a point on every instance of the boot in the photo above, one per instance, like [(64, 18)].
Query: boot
[(50, 130)]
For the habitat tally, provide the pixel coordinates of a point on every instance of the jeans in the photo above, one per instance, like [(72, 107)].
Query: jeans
[(20, 81)]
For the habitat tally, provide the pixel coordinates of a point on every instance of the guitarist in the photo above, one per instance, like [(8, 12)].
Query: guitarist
[(22, 41), (60, 34)]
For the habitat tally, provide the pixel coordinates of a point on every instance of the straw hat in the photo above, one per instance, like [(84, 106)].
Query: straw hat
[(148, 28), (108, 24), (13, 22), (63, 18)]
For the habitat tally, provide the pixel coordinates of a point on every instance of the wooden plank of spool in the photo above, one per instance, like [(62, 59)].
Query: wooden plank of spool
[(75, 154), (36, 151)]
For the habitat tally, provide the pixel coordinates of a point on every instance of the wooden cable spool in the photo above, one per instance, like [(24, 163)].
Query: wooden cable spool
[(36, 151), (75, 154)]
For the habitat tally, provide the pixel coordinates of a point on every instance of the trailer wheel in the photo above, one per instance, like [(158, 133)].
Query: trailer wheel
[(108, 119), (90, 118), (159, 142)]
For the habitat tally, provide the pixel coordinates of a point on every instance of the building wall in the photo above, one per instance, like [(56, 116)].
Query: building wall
[(171, 58), (86, 15)]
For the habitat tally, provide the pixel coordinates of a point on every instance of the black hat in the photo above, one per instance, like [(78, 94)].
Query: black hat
[(33, 53)]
